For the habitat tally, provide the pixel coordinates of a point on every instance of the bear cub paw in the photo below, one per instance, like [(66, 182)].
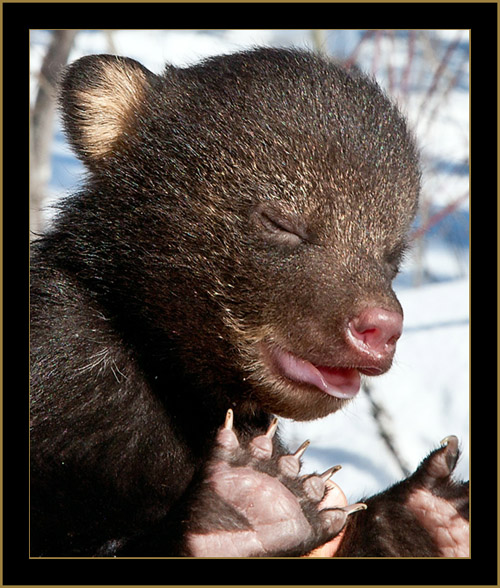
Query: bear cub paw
[(440, 504), (425, 515), (254, 503)]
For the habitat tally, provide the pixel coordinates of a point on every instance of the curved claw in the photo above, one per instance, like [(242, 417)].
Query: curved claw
[(334, 519), (272, 428), (351, 508), (226, 437), (439, 464), (228, 423), (261, 447), (315, 485), (326, 475), (301, 450), (289, 465), (451, 456)]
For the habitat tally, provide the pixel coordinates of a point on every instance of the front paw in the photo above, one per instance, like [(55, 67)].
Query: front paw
[(426, 515), (253, 502), (440, 504)]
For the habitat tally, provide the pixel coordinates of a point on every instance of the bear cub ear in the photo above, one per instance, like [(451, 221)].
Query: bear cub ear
[(99, 95)]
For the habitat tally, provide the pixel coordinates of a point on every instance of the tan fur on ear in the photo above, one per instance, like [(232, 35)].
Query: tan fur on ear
[(102, 106)]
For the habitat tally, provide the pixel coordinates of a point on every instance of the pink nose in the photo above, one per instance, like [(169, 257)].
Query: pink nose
[(375, 332)]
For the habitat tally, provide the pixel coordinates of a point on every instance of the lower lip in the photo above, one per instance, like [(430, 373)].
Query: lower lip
[(342, 383)]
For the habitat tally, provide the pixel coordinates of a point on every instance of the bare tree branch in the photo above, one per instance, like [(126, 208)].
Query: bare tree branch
[(42, 121)]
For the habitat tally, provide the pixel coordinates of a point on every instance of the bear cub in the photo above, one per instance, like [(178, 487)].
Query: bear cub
[(228, 259)]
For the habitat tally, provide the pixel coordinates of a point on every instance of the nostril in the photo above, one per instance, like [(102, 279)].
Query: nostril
[(376, 330)]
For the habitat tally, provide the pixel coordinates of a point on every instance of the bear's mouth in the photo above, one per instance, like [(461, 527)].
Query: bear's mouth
[(340, 382)]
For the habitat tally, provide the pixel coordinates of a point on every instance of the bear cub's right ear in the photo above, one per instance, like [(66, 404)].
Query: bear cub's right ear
[(99, 95)]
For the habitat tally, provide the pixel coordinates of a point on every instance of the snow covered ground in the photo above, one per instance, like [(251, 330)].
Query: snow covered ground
[(426, 394)]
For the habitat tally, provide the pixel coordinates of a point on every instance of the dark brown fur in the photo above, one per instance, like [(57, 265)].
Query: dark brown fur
[(161, 279)]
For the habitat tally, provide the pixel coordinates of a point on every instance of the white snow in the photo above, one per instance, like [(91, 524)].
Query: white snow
[(426, 394)]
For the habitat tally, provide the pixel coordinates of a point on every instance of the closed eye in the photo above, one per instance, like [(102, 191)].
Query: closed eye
[(279, 229), (395, 259)]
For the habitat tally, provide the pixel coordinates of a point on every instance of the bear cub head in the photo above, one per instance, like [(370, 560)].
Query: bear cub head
[(242, 220)]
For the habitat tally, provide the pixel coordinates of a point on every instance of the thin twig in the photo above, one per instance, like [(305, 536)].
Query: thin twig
[(382, 419), (438, 217)]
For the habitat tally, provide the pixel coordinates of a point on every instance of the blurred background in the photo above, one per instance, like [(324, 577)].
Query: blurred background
[(400, 416)]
